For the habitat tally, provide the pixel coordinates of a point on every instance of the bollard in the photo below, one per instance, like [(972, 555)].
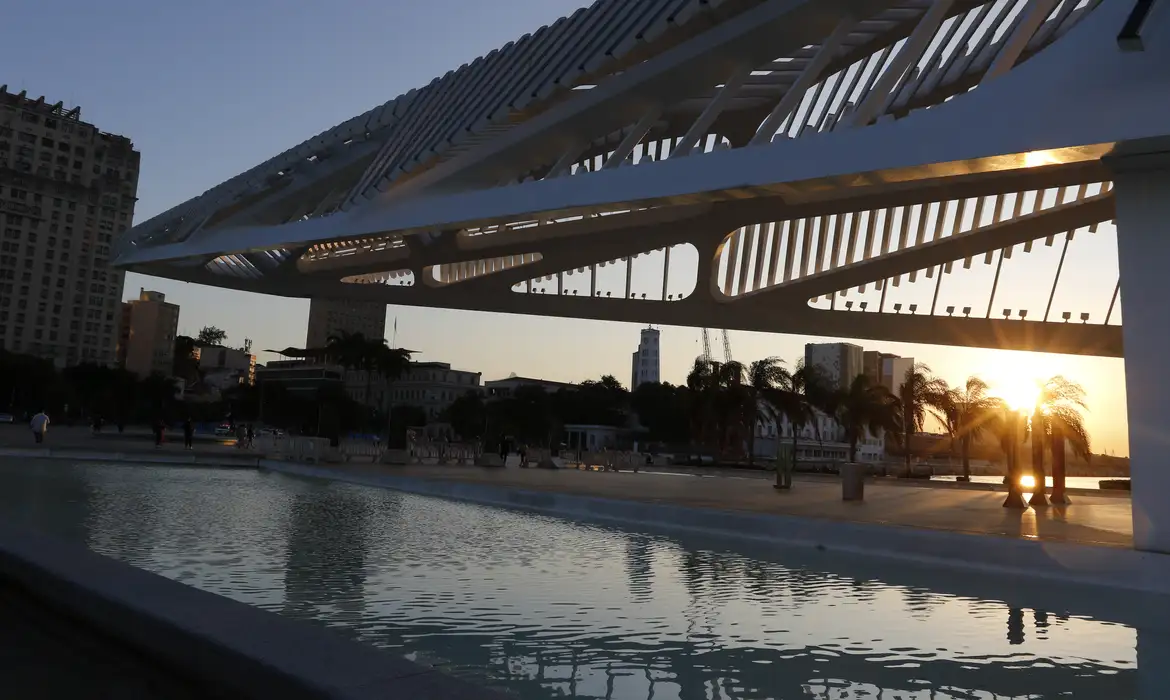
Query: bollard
[(852, 482)]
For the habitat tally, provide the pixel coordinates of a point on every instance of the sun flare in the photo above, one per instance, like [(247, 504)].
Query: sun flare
[(1019, 395)]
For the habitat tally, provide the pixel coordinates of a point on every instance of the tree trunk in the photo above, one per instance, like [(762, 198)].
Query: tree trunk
[(852, 449), (1057, 443), (752, 444), (965, 450), (1015, 499), (907, 429), (794, 448), (367, 399), (1040, 491)]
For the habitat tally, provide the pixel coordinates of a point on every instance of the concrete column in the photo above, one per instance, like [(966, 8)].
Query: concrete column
[(1142, 185)]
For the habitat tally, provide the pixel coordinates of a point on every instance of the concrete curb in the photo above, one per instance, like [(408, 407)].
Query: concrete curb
[(1062, 562), (233, 649), (144, 457)]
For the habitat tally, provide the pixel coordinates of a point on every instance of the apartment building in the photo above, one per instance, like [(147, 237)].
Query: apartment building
[(838, 363), (66, 190), (146, 343)]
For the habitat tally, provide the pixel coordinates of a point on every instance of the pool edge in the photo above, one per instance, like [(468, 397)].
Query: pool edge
[(232, 648)]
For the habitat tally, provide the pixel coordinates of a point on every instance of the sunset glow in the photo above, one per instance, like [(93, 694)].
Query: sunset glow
[(1019, 394)]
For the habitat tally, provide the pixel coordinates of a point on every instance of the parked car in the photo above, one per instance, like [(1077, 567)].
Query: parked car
[(224, 430), (6, 418)]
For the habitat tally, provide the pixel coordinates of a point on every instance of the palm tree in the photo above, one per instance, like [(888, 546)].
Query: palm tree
[(391, 363), (919, 392), (1065, 425), (806, 394), (967, 413), (1058, 405), (721, 402), (865, 407), (702, 383), (346, 349), (1008, 431), (766, 381)]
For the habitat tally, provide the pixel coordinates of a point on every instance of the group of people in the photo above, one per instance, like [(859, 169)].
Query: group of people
[(245, 435), (245, 432)]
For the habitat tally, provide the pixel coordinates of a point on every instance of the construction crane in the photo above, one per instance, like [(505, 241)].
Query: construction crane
[(707, 345)]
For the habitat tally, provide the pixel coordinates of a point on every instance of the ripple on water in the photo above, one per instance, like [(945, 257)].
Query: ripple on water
[(552, 608)]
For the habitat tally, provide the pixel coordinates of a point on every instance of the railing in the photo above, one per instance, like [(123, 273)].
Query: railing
[(439, 453), (295, 448)]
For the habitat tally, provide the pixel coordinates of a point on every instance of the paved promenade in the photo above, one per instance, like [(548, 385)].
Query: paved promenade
[(1091, 519)]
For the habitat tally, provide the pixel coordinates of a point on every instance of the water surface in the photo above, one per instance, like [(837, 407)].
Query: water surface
[(549, 608)]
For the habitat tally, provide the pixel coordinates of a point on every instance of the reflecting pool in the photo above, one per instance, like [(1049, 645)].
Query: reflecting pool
[(549, 608)]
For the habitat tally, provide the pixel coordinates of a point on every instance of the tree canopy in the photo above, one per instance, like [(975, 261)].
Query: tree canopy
[(211, 335)]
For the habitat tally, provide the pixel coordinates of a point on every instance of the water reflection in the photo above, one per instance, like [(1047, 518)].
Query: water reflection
[(325, 556), (550, 608)]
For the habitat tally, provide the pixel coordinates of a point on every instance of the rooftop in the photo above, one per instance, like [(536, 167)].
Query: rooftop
[(40, 105)]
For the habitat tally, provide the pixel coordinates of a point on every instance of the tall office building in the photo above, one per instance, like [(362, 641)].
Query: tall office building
[(839, 363), (328, 317), (146, 343), (66, 189), (894, 371), (646, 360), (886, 369)]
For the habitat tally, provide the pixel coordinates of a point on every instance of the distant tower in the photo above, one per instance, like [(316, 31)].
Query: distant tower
[(646, 360)]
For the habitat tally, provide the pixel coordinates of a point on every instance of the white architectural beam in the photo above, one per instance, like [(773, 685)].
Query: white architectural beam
[(808, 77), (911, 51)]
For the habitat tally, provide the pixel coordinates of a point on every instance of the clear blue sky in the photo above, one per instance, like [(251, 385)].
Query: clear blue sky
[(207, 90)]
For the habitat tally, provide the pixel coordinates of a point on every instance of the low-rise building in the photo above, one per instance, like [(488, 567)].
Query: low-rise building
[(299, 375), (822, 440), (432, 386), (504, 388), (224, 366)]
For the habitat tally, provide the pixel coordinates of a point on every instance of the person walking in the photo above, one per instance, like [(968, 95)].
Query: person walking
[(39, 425), (159, 429), (188, 434), (251, 435)]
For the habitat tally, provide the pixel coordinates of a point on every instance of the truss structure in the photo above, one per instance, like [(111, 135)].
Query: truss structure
[(797, 150)]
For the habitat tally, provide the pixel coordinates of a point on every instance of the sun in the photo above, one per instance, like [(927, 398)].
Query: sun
[(1019, 394)]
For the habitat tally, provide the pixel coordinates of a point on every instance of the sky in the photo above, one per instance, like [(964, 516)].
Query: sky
[(207, 90)]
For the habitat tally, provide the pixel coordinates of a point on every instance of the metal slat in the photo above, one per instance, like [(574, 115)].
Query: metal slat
[(874, 104), (1028, 22)]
